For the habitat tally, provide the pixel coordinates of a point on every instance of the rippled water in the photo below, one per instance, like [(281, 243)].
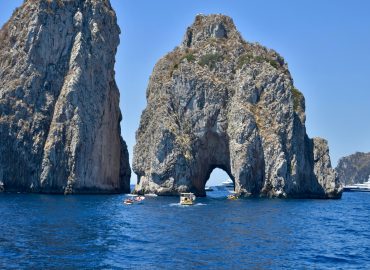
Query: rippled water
[(69, 232)]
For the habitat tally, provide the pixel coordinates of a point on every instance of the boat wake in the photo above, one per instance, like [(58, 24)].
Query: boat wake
[(180, 205)]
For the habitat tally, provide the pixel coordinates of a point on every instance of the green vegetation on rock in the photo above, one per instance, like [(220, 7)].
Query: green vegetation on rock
[(243, 60), (210, 60), (297, 98), (190, 57), (177, 58), (249, 58)]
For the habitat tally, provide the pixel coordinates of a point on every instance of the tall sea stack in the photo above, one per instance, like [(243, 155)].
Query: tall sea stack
[(59, 103), (217, 101)]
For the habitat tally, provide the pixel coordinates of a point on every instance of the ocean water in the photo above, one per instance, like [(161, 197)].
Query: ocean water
[(84, 232)]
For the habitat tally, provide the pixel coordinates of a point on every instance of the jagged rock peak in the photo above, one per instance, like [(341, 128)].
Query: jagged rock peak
[(217, 101), (211, 26), (59, 103)]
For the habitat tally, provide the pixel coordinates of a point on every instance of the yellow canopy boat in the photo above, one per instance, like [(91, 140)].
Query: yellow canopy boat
[(187, 198)]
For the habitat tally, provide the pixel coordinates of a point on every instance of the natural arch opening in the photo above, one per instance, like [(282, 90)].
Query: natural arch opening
[(216, 177), (218, 183), (213, 154), (215, 174)]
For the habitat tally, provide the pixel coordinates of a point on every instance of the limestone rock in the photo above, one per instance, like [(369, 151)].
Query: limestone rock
[(354, 168), (217, 101), (59, 103)]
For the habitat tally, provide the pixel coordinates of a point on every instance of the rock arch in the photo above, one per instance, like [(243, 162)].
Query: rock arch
[(218, 101)]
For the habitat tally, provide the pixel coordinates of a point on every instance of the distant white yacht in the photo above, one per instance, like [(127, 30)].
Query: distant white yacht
[(207, 188), (364, 187), (228, 183)]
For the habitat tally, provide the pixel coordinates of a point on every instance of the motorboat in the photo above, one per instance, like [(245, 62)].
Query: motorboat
[(228, 183), (151, 195), (233, 196), (208, 188), (128, 201), (187, 198), (133, 199), (364, 187), (139, 198)]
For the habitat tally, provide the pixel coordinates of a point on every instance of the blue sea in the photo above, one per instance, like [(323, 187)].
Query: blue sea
[(100, 232)]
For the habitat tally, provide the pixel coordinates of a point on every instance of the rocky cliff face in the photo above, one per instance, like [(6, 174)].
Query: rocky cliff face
[(59, 103), (354, 168), (217, 101)]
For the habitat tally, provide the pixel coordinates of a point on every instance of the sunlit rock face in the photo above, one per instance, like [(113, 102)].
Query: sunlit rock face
[(217, 101), (59, 103)]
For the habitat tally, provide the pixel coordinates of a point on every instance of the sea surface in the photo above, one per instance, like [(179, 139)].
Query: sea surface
[(100, 232)]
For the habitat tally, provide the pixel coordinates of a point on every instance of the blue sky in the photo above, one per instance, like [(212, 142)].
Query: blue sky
[(326, 44)]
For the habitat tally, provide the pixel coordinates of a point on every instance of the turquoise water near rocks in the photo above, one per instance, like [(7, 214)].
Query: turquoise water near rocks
[(84, 232)]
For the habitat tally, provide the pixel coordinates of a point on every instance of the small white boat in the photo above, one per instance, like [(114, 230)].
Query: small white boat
[(364, 187), (187, 198), (151, 195), (132, 198), (208, 188), (128, 201), (139, 198), (228, 183)]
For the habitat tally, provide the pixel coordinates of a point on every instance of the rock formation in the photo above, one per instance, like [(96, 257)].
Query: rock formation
[(217, 101), (59, 103), (354, 168)]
